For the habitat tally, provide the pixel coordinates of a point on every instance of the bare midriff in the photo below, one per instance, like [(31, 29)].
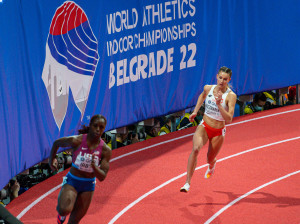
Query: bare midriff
[(213, 122)]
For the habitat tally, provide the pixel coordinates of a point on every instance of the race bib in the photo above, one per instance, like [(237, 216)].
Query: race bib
[(83, 162), (223, 131)]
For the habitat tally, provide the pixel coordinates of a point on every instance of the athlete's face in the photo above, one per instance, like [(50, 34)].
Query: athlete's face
[(223, 79), (97, 128)]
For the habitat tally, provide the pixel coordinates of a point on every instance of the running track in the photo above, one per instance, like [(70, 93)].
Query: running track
[(257, 179)]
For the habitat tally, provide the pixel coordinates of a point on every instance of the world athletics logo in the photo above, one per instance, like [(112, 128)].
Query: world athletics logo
[(71, 60)]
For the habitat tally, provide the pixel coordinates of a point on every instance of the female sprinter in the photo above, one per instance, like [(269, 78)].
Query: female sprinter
[(90, 160), (219, 109)]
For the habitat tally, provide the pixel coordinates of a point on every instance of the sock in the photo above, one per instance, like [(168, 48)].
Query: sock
[(61, 219)]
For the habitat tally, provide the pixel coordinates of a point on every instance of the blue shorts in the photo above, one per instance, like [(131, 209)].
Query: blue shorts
[(79, 183)]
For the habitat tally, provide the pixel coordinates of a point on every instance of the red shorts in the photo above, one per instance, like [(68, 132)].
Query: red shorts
[(213, 132)]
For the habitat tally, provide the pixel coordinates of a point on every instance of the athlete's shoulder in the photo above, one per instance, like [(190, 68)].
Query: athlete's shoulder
[(72, 139), (78, 138), (231, 98), (106, 151), (207, 88), (232, 94), (76, 141)]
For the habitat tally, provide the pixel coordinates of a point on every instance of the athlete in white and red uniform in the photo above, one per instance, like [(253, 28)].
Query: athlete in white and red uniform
[(90, 161), (219, 109)]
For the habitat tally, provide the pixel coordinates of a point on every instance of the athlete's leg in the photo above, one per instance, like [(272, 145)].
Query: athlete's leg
[(66, 200), (82, 204), (214, 148), (199, 140)]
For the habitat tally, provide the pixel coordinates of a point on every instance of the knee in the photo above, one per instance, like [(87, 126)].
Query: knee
[(63, 210), (196, 149)]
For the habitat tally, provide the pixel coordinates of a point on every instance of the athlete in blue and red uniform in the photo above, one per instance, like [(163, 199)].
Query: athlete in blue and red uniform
[(90, 160), (219, 109)]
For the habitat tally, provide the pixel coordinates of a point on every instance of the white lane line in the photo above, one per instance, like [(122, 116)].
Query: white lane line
[(37, 201), (247, 194), (142, 149), (181, 175), (148, 147), (184, 136), (258, 118)]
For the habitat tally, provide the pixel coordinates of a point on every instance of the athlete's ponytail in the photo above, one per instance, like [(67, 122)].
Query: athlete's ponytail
[(84, 129)]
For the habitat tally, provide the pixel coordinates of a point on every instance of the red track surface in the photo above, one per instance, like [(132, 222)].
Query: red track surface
[(135, 175)]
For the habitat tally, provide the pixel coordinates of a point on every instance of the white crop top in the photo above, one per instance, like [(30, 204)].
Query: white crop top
[(211, 108)]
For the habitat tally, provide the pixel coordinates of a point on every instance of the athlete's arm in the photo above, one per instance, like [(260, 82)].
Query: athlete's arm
[(101, 172), (231, 105), (71, 141), (200, 101)]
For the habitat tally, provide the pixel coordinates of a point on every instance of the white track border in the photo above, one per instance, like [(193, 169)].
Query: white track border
[(247, 194)]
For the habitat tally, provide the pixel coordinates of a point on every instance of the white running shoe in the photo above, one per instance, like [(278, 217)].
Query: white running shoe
[(210, 172), (185, 188)]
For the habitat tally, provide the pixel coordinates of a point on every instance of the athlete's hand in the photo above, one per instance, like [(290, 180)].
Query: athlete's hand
[(218, 97), (192, 116), (53, 164), (93, 163)]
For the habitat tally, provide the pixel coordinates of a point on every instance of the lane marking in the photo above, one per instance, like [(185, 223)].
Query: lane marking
[(232, 124), (266, 116), (37, 201), (181, 175), (247, 194), (142, 149), (149, 147)]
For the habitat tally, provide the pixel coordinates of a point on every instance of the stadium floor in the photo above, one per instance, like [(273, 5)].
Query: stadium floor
[(257, 179)]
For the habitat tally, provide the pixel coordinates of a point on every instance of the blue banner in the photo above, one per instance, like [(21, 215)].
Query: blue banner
[(63, 61)]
